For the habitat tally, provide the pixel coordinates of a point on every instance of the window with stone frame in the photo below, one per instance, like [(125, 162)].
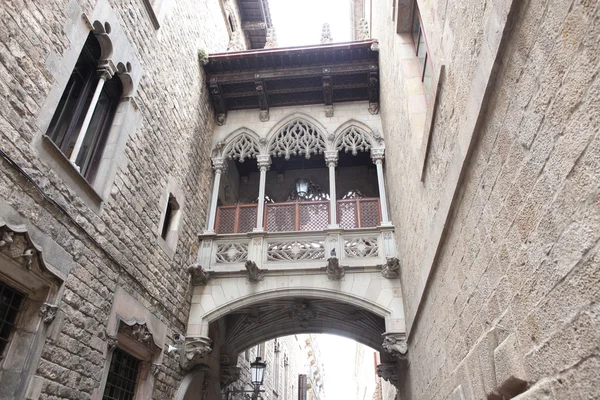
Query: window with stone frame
[(422, 52), (10, 304), (122, 376), (85, 112), (157, 10)]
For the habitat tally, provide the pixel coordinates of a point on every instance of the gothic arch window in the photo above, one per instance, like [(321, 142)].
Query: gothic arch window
[(352, 140), (241, 147), (297, 137), (81, 135)]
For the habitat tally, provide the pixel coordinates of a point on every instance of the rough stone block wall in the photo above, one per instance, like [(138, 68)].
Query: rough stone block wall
[(513, 294), (118, 245)]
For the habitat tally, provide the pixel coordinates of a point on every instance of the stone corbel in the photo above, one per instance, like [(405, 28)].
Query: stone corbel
[(334, 270), (394, 343), (229, 374), (389, 372), (156, 368), (373, 91), (254, 274), (194, 350), (200, 276), (391, 268), (48, 312)]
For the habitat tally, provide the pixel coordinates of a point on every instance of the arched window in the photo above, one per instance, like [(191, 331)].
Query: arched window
[(65, 126)]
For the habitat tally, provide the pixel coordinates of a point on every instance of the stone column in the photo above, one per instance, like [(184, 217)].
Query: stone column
[(331, 158), (105, 72), (219, 166), (377, 157), (264, 162)]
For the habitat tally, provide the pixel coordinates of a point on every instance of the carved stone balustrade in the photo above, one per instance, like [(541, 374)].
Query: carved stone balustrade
[(354, 248)]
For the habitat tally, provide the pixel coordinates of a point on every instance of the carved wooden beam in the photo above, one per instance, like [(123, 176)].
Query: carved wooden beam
[(218, 101), (373, 91), (263, 101), (254, 26), (327, 92)]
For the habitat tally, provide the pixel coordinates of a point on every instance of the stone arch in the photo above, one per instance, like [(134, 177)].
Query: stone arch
[(240, 144), (297, 134), (353, 136)]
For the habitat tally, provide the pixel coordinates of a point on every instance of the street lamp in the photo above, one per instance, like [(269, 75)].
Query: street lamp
[(302, 185), (257, 373)]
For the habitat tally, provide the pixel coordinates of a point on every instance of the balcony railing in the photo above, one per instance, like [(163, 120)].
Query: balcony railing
[(298, 216)]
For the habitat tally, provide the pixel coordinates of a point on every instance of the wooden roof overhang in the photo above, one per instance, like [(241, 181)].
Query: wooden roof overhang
[(321, 74), (256, 19)]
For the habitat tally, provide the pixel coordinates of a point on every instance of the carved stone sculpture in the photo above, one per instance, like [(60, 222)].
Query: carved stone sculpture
[(195, 349), (395, 344), (391, 269), (111, 342), (363, 30), (236, 42), (302, 312), (254, 274), (138, 332), (200, 276), (48, 312), (326, 34), (229, 374), (389, 373), (334, 270), (155, 369), (271, 41)]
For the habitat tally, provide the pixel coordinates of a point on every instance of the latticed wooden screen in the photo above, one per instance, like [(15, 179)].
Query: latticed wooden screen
[(359, 213), (236, 219), (281, 217), (247, 219), (369, 213), (314, 216), (226, 220), (347, 215)]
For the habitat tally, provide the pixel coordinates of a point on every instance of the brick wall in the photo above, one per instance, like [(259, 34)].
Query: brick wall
[(116, 246), (514, 285)]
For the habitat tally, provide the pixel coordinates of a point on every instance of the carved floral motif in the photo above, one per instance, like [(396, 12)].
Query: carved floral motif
[(361, 247), (231, 253)]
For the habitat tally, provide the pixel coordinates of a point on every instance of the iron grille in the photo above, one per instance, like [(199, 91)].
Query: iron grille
[(247, 219), (10, 302), (226, 220), (369, 213), (281, 217), (313, 216), (122, 376), (347, 215)]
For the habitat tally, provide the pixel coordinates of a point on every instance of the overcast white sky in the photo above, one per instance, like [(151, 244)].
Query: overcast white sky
[(299, 23), (338, 356)]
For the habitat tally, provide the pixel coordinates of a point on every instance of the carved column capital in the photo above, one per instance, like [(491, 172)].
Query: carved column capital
[(48, 312), (106, 69), (200, 276), (377, 155), (219, 164), (394, 343), (194, 350), (263, 161), (331, 158)]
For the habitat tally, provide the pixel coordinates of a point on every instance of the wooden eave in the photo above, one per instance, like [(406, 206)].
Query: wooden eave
[(256, 19), (320, 74)]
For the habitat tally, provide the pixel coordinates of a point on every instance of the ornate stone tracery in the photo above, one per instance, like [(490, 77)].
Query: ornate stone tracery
[(353, 139), (231, 253), (241, 147), (297, 137)]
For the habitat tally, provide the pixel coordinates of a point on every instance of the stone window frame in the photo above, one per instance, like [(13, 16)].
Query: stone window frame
[(122, 57), (135, 330), (169, 244), (33, 264), (157, 10)]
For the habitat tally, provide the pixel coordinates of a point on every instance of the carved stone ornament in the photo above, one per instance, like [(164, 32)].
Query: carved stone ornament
[(17, 246), (229, 374), (391, 268), (389, 373), (395, 344), (271, 41), (200, 276), (264, 115), (329, 111), (139, 332), (236, 42), (363, 30), (302, 312), (326, 34), (241, 147), (195, 349), (111, 343), (221, 117), (297, 137), (375, 46), (156, 368), (254, 274), (374, 108), (334, 270), (48, 312)]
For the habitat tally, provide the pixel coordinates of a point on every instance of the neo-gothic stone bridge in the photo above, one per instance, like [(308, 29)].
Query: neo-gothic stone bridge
[(306, 261)]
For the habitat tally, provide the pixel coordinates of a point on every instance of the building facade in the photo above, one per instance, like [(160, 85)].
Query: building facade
[(169, 200)]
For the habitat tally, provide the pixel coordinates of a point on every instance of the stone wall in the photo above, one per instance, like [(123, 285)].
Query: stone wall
[(499, 246), (114, 245)]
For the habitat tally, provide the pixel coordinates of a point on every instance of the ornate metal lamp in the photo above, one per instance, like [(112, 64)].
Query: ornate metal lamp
[(257, 372), (302, 187)]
